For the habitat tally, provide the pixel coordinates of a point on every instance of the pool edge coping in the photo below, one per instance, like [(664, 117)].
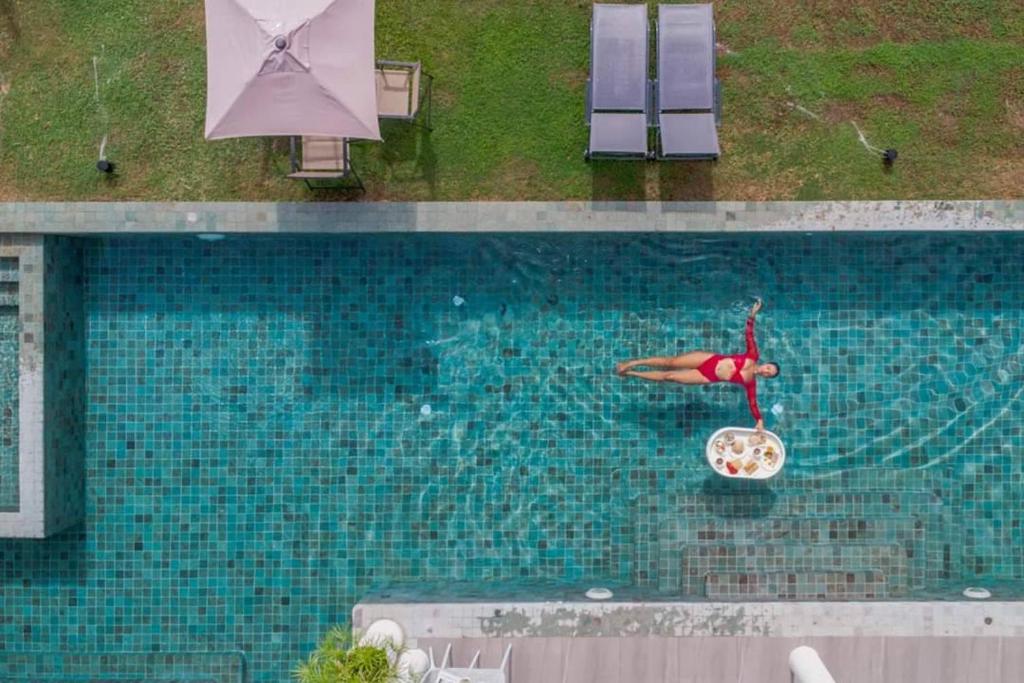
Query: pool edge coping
[(511, 619), (85, 218)]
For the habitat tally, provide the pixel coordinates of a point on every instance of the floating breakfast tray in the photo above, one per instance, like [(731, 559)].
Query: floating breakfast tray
[(740, 453)]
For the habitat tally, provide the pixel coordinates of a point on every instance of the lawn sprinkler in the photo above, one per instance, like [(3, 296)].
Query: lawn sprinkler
[(888, 154), (104, 166)]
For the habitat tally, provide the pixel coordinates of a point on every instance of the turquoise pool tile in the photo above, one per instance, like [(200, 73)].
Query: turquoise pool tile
[(275, 425)]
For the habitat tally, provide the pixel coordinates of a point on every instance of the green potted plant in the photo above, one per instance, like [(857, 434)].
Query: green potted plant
[(339, 658)]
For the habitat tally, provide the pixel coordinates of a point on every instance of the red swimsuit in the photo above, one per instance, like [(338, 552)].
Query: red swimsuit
[(707, 368)]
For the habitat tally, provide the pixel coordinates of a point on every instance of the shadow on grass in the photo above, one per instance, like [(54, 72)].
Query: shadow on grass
[(408, 146), (275, 158), (685, 180), (618, 180), (9, 19)]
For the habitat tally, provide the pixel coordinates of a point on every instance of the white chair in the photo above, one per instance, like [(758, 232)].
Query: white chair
[(446, 673)]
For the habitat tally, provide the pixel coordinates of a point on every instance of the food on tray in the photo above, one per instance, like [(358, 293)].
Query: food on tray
[(740, 453)]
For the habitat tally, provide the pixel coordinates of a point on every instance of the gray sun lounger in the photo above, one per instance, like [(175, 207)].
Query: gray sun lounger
[(686, 90), (618, 92)]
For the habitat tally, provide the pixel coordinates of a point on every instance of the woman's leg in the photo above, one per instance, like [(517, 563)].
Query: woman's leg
[(685, 361), (680, 376)]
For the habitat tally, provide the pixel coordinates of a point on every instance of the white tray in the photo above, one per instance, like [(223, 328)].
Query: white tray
[(743, 435)]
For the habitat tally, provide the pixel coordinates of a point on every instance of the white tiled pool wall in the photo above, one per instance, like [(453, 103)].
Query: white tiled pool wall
[(50, 394)]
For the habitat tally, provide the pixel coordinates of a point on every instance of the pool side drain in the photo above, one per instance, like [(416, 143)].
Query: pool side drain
[(976, 593), (599, 594)]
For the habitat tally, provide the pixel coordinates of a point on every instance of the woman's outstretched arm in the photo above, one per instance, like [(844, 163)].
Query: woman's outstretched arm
[(752, 400), (751, 342)]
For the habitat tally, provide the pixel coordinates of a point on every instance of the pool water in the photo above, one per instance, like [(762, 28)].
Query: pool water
[(277, 425)]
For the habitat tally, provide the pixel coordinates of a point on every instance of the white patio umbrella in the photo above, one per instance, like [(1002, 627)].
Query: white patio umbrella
[(290, 67)]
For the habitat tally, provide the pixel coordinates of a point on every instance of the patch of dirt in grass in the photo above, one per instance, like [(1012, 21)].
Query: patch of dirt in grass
[(735, 78), (573, 79), (170, 16), (854, 24), (512, 179), (891, 100), (758, 184), (684, 181), (947, 119), (1003, 179), (779, 187), (841, 112), (10, 27), (443, 97), (1013, 99), (7, 192), (875, 72)]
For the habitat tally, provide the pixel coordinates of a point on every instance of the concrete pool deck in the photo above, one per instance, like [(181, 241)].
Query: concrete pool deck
[(577, 642), (430, 217), (783, 619), (747, 642)]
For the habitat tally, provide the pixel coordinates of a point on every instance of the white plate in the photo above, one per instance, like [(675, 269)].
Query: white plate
[(743, 435)]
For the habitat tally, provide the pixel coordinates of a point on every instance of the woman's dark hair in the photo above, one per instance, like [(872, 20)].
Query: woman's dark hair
[(777, 368)]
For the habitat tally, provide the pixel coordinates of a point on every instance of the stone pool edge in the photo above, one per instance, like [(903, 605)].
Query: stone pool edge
[(696, 619), (83, 218)]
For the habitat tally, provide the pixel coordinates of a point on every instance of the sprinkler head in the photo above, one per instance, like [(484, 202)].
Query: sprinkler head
[(104, 166), (889, 156)]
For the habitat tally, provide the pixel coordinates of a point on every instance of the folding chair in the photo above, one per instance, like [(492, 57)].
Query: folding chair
[(324, 163), (403, 89), (446, 673)]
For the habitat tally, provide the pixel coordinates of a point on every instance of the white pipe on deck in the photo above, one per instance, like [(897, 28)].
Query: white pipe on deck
[(807, 667)]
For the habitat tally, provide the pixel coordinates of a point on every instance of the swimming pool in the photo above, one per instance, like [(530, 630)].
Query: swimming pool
[(275, 425)]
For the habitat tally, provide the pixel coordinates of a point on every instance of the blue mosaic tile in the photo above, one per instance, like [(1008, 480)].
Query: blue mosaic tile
[(124, 667), (274, 426)]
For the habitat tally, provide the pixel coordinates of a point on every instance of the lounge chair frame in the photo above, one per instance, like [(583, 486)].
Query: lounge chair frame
[(697, 114), (420, 95), (606, 116), (345, 177)]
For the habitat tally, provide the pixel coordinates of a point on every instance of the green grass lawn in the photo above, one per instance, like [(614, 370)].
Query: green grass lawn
[(940, 80)]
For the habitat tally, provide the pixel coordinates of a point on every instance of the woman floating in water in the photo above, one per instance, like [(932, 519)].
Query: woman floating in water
[(702, 367)]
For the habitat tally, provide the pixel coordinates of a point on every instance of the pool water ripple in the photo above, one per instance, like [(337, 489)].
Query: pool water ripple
[(259, 456)]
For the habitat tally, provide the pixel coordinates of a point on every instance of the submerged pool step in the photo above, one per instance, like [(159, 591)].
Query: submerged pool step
[(869, 584), (698, 561), (8, 293), (676, 516), (9, 271), (677, 534), (808, 503), (831, 529)]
